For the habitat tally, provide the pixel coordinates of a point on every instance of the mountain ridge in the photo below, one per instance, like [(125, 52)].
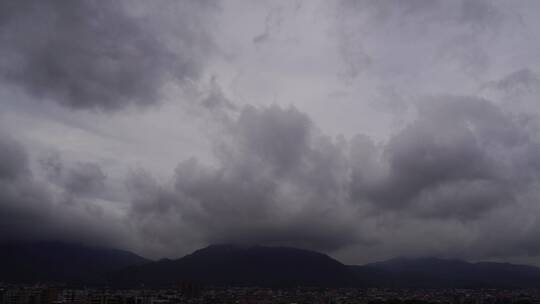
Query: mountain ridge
[(242, 266), (52, 261), (249, 265), (430, 272)]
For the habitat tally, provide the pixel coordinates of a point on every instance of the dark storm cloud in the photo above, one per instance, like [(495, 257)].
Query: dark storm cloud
[(278, 181), (101, 55), (456, 160), (30, 209), (456, 176)]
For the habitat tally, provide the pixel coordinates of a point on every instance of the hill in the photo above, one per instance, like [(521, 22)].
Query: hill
[(22, 262), (242, 266), (443, 273)]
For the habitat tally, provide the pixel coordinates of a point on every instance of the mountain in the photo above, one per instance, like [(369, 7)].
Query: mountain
[(284, 267), (25, 262), (236, 265), (442, 273)]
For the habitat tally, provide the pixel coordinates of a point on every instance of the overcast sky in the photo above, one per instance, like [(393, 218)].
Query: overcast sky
[(366, 129)]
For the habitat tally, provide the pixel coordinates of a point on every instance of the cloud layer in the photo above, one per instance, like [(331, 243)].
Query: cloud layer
[(365, 129)]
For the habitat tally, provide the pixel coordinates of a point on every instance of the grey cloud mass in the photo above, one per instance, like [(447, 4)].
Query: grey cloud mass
[(450, 161), (280, 181), (31, 210), (101, 55), (364, 129), (80, 179)]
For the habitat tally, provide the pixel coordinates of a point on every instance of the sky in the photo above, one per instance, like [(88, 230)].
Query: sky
[(365, 129)]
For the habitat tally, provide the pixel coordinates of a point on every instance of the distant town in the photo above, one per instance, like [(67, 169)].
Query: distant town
[(192, 293)]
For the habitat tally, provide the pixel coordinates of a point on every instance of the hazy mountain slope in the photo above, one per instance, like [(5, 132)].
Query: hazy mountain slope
[(441, 273), (237, 265), (60, 262)]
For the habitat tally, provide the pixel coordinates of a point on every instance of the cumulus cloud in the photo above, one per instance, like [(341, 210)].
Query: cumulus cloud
[(460, 165), (455, 173), (452, 140), (463, 162), (102, 55), (277, 181)]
